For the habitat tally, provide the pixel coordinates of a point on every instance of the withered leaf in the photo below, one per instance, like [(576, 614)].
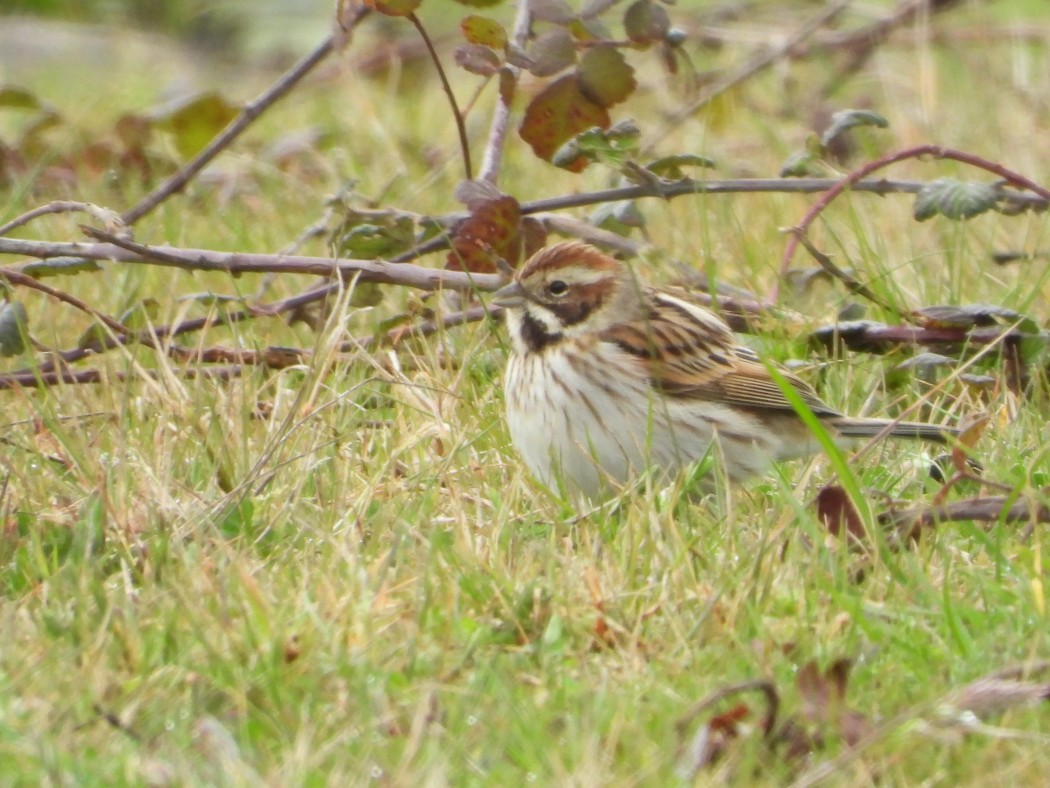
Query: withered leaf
[(839, 514)]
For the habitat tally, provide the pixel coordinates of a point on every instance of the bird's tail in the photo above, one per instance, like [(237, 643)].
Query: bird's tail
[(869, 428)]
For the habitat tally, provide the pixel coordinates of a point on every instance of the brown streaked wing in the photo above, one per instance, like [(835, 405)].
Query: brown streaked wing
[(689, 353)]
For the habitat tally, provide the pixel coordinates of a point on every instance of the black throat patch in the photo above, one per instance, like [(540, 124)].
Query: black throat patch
[(535, 335)]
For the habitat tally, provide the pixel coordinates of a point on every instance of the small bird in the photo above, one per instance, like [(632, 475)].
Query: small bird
[(608, 377)]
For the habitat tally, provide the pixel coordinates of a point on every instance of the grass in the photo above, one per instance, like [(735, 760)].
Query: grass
[(365, 586)]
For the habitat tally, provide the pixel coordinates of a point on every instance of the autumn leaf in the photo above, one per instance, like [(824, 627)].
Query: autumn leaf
[(556, 114), (492, 230)]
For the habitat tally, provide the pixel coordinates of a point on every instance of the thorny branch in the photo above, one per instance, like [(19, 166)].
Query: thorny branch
[(800, 231)]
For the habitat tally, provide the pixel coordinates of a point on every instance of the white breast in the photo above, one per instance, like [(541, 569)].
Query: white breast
[(587, 417)]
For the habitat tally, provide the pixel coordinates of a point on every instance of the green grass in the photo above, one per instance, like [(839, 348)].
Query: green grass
[(367, 587)]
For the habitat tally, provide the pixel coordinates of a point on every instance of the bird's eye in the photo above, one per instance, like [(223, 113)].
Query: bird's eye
[(557, 288)]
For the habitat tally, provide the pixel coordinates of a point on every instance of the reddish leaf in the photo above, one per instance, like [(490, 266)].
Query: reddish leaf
[(727, 720), (559, 112), (477, 59), (837, 512), (484, 31), (605, 77), (394, 7), (492, 229)]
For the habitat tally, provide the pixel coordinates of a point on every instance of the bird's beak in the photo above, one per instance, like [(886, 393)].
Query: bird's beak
[(509, 296)]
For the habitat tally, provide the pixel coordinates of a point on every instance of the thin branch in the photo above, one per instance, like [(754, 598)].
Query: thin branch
[(23, 280), (251, 111), (123, 250), (104, 215), (461, 127), (687, 186), (29, 379), (852, 284), (235, 359), (1016, 180), (508, 84), (757, 64), (987, 510)]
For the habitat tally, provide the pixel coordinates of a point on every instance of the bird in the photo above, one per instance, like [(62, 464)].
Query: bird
[(608, 377)]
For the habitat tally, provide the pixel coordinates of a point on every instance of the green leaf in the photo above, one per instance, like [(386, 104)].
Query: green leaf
[(612, 146), (57, 266), (479, 3), (802, 164), (372, 234), (14, 97), (605, 77), (847, 119), (646, 22), (620, 217), (954, 199), (671, 166), (483, 30), (14, 324)]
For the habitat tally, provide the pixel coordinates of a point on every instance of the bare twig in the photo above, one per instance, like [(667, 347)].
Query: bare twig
[(464, 145), (756, 65), (123, 250), (508, 83), (254, 109), (22, 280), (687, 186), (1016, 180), (35, 378), (852, 284), (988, 510), (104, 215)]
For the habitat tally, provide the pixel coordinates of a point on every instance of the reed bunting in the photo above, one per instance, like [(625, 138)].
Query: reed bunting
[(609, 377)]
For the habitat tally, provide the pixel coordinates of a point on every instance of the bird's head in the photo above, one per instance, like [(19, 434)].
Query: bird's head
[(567, 290)]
